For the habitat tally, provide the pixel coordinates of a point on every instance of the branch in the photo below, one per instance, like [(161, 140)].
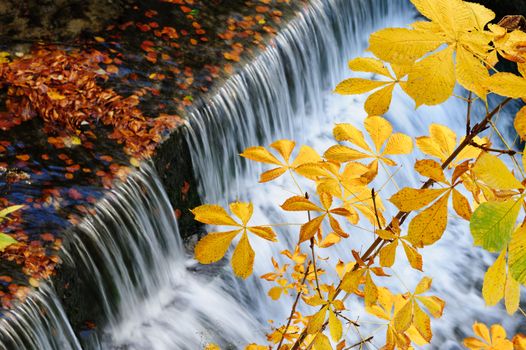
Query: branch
[(298, 295), (366, 340), (402, 216), (509, 152)]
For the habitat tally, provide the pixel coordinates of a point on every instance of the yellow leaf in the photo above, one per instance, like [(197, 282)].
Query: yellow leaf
[(370, 290), (317, 320), (275, 292), (398, 144), (379, 129), (353, 86), (335, 326), (242, 210), (474, 343), (370, 65), (422, 323), (347, 132), (213, 246), (512, 294), (520, 123), (431, 169), (264, 232), (54, 95), (519, 342), (311, 170), (423, 286), (507, 84), (434, 305), (388, 254), (243, 258), (444, 137), (378, 103), (270, 175), (256, 347), (413, 256), (409, 199), (260, 154), (403, 317), (341, 153), (321, 342), (213, 215), (482, 331), (495, 280), (461, 205), (471, 73), (427, 227), (284, 147), (351, 280), (403, 46), (431, 80), (429, 146), (482, 15), (330, 240), (299, 203), (135, 162), (309, 229), (212, 346), (494, 173), (415, 336), (306, 155)]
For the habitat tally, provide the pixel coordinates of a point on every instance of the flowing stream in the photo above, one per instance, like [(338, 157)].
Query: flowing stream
[(155, 296)]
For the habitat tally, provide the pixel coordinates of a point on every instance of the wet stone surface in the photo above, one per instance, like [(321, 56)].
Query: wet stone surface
[(76, 118)]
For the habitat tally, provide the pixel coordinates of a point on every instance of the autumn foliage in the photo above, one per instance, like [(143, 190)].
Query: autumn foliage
[(458, 44), (64, 88)]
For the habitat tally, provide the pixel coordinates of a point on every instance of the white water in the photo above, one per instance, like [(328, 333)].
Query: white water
[(155, 297)]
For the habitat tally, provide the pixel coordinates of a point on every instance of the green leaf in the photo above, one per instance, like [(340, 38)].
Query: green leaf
[(493, 222), (6, 241), (517, 255), (9, 210)]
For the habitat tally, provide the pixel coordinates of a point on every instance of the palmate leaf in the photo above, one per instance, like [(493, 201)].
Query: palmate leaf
[(213, 247), (379, 101)]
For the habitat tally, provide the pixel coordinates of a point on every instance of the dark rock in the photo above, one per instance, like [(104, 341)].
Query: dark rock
[(55, 20)]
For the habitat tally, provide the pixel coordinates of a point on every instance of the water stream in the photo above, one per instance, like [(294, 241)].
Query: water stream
[(155, 296)]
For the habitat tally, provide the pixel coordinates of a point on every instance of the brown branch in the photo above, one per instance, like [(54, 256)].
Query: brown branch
[(313, 256), (509, 152), (468, 116), (373, 195), (366, 340), (402, 216), (293, 310)]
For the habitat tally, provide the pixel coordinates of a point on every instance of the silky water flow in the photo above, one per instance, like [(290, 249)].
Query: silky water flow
[(155, 296)]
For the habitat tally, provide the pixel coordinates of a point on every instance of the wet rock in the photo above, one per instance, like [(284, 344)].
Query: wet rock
[(55, 20)]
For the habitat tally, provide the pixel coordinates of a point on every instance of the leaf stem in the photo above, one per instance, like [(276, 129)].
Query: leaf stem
[(402, 216)]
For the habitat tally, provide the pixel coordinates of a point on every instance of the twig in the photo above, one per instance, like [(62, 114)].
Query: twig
[(354, 323), (313, 256), (366, 340), (298, 295), (468, 116), (373, 195), (402, 216), (489, 149)]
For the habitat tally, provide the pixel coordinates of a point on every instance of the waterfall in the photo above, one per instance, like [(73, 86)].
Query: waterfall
[(155, 296), (39, 323)]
